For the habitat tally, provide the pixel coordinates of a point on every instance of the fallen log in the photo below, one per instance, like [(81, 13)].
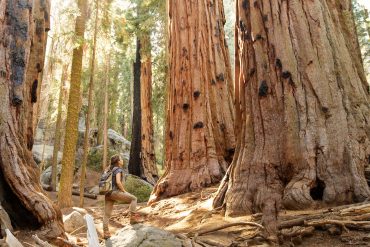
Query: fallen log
[(87, 195), (297, 231), (359, 225)]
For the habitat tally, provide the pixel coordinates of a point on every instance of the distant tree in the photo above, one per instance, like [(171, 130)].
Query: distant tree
[(89, 112), (58, 129), (142, 155), (362, 19)]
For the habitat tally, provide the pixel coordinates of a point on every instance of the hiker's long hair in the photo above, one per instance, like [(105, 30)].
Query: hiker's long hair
[(114, 160)]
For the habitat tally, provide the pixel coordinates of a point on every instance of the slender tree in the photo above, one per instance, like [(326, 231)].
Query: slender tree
[(106, 113), (89, 108), (21, 194), (303, 110), (69, 150), (200, 131), (58, 129)]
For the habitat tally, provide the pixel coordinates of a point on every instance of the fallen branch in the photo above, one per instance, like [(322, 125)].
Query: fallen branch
[(78, 229), (68, 243), (217, 228), (40, 242), (87, 195)]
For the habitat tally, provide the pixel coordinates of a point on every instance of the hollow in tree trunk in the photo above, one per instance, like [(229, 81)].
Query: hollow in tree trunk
[(200, 123), (21, 194), (304, 110)]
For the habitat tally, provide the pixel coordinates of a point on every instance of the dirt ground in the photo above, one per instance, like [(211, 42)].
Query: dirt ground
[(192, 213)]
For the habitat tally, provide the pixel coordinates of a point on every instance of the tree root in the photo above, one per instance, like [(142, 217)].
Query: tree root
[(354, 216)]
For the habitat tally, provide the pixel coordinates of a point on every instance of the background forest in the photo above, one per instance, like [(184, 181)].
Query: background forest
[(117, 36), (248, 109)]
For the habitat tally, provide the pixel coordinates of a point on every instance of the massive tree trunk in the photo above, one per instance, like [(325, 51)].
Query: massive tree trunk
[(21, 194), (70, 142), (302, 110), (86, 146), (200, 131), (149, 168), (134, 166)]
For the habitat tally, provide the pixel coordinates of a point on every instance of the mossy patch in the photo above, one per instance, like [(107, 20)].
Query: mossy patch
[(138, 187)]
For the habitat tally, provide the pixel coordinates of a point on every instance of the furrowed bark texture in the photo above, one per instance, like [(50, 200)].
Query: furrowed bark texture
[(200, 134), (22, 44), (71, 134), (302, 110), (149, 168), (41, 25)]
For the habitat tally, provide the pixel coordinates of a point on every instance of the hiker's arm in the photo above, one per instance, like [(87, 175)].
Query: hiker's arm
[(119, 182)]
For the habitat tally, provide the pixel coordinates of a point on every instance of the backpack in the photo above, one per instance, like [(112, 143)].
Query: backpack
[(105, 182)]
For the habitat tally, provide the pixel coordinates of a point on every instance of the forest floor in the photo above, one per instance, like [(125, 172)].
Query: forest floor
[(192, 213)]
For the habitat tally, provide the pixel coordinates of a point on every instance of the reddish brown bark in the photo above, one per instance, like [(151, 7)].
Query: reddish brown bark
[(149, 168), (200, 132), (20, 191), (302, 111)]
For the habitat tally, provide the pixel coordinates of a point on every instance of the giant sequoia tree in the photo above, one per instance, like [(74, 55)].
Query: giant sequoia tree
[(23, 26), (302, 109), (200, 131)]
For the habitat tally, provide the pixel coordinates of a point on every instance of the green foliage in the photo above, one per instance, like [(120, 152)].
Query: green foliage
[(361, 15), (95, 157), (138, 187), (229, 6)]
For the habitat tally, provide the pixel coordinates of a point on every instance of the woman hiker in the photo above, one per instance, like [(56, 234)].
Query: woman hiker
[(118, 194)]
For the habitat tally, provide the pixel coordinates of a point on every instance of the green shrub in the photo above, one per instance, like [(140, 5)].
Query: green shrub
[(138, 187)]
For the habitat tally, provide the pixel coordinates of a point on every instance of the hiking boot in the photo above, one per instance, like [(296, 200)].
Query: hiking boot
[(135, 218), (106, 233)]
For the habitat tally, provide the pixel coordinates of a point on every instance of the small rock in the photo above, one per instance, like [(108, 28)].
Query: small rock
[(73, 221), (38, 150), (144, 236), (94, 190), (46, 175)]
